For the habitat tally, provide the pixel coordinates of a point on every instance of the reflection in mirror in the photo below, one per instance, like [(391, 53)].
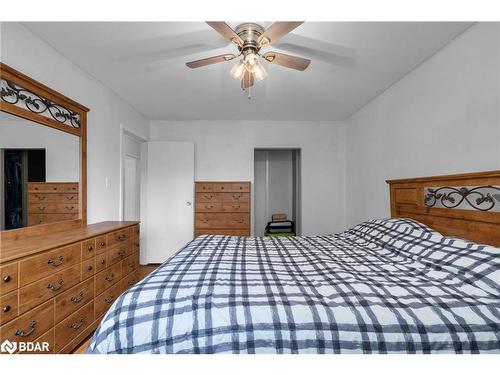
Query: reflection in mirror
[(39, 173)]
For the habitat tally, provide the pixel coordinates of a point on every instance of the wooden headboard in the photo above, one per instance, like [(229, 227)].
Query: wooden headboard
[(462, 205)]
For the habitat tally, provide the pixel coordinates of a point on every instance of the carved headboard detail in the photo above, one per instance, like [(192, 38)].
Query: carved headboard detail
[(462, 205)]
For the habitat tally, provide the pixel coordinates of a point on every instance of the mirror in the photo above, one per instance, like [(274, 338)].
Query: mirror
[(39, 173)]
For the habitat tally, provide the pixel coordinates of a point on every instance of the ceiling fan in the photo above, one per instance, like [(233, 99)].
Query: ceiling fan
[(249, 38)]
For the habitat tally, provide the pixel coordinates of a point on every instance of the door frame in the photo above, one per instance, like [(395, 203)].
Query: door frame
[(124, 131)]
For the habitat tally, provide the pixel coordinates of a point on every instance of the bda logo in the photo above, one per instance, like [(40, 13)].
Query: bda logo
[(8, 347)]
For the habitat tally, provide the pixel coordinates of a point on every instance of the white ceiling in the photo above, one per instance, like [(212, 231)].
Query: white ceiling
[(144, 62)]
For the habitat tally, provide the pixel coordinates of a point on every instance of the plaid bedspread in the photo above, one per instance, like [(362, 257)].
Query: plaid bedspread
[(385, 286)]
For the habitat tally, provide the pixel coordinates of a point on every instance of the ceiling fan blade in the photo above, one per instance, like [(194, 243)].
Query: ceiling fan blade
[(226, 31), (277, 31), (210, 60), (247, 80), (288, 61)]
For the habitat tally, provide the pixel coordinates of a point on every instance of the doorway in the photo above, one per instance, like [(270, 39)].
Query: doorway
[(277, 177)]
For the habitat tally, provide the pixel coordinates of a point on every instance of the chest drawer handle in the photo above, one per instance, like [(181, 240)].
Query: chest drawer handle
[(77, 324), (102, 244), (6, 308), (54, 287), (121, 253), (204, 221), (70, 198), (89, 268), (122, 237), (109, 299), (55, 263), (208, 196), (69, 208), (41, 198), (236, 197), (41, 208), (131, 282), (131, 264), (6, 279), (77, 299), (30, 330), (209, 207), (110, 277), (90, 248), (103, 261), (236, 206)]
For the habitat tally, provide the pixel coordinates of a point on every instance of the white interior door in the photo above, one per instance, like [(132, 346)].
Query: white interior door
[(168, 192), (131, 189)]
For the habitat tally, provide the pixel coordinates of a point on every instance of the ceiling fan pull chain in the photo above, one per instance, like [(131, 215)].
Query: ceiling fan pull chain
[(249, 93)]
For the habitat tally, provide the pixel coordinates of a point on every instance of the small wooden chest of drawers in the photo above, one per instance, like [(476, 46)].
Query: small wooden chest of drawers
[(222, 208), (58, 293), (50, 202)]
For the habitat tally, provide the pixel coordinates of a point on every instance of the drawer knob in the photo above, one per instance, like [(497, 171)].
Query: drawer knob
[(90, 248), (131, 282), (121, 253), (76, 325), (54, 287), (103, 244), (28, 332), (89, 268), (6, 308), (131, 264), (109, 299), (77, 298), (103, 261), (110, 277), (6, 279), (55, 263)]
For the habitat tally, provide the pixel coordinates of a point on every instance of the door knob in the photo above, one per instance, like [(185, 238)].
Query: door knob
[(188, 203)]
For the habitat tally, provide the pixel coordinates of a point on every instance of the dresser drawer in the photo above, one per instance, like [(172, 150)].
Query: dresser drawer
[(37, 219), (41, 290), (208, 206), (52, 187), (129, 264), (119, 237), (47, 339), (235, 197), (52, 208), (73, 299), (8, 307), (88, 248), (129, 280), (9, 278), (207, 197), (101, 244), (88, 268), (225, 187), (224, 232), (235, 207), (204, 187), (38, 266), (116, 254), (100, 262), (107, 278), (67, 198), (71, 327), (226, 221), (104, 301), (31, 325)]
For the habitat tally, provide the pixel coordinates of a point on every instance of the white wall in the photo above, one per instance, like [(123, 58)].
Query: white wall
[(442, 118), (62, 150), (224, 150), (27, 53)]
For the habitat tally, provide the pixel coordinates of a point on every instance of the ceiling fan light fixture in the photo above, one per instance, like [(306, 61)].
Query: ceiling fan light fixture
[(251, 61), (259, 73), (238, 71)]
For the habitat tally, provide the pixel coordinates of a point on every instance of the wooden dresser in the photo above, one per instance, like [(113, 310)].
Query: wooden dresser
[(50, 202), (56, 287), (222, 208)]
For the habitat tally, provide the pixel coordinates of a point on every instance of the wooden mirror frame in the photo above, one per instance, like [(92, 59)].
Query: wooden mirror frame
[(55, 106)]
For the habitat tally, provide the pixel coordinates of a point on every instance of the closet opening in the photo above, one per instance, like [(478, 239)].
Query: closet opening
[(277, 187)]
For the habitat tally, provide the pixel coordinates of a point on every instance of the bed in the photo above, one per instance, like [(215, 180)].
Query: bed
[(384, 286)]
